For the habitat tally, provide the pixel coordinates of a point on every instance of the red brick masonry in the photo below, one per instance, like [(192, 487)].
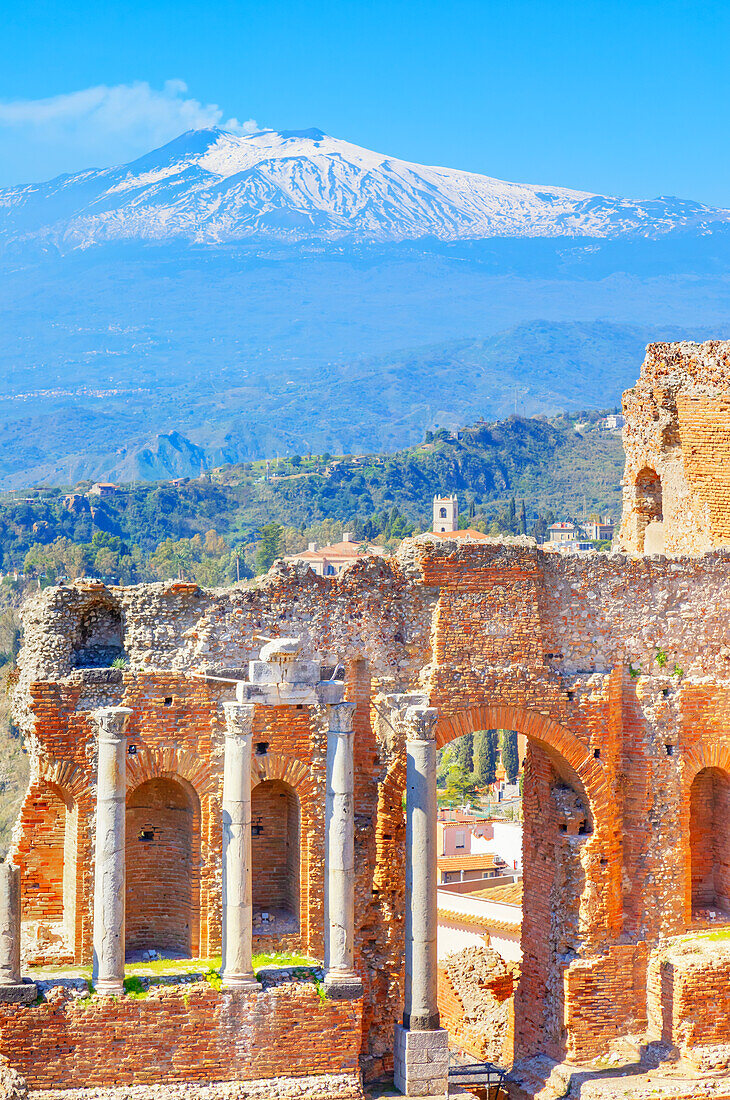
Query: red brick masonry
[(184, 1033)]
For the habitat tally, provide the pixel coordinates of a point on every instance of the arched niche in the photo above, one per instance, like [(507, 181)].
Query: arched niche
[(163, 866), (649, 512), (709, 840), (100, 635), (275, 857)]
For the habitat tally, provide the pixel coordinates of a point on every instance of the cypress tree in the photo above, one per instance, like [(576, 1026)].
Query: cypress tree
[(485, 757), (510, 755), (463, 752)]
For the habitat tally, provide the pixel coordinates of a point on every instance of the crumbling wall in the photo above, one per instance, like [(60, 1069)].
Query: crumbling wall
[(475, 991), (678, 426), (689, 1000)]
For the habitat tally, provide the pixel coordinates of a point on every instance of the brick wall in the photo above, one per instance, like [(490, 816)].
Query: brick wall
[(689, 994), (42, 881), (186, 1034)]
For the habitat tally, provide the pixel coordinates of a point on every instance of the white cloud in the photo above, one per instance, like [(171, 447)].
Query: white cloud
[(99, 126)]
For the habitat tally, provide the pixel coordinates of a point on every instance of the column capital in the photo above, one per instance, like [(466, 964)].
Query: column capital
[(340, 717), (239, 719), (420, 723), (111, 722)]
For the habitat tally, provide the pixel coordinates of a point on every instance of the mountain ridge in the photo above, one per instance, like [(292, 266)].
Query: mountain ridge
[(293, 186)]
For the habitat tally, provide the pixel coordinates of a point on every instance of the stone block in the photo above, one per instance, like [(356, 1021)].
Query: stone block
[(24, 993), (421, 1062)]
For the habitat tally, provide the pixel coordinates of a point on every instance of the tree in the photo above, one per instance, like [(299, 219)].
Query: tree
[(523, 519), (510, 755), (460, 786), (463, 751), (269, 548), (485, 757)]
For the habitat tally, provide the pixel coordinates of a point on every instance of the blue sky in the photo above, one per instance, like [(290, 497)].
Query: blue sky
[(612, 96)]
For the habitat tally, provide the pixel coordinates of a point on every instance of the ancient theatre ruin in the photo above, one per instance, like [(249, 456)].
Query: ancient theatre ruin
[(231, 790)]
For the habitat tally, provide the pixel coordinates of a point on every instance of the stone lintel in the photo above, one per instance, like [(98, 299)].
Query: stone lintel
[(22, 993), (342, 987)]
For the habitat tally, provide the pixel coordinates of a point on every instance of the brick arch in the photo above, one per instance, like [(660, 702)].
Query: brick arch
[(47, 854), (287, 769), (68, 778), (560, 743), (172, 762)]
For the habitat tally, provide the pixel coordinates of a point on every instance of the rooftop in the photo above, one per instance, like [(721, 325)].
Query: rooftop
[(485, 861), (508, 894)]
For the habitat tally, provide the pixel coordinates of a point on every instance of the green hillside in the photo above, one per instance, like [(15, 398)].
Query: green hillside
[(554, 469)]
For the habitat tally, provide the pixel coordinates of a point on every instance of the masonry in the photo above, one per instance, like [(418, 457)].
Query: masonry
[(616, 667)]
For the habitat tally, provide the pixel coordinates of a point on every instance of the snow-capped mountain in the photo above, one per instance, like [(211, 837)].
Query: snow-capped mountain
[(213, 186)]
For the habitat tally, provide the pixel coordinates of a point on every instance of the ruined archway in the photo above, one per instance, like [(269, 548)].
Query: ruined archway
[(275, 857), (163, 867), (559, 900), (709, 841)]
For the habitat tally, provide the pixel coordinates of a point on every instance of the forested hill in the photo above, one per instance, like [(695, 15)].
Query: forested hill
[(560, 467)]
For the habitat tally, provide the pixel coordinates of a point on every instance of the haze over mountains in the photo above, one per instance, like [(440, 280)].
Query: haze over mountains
[(228, 297)]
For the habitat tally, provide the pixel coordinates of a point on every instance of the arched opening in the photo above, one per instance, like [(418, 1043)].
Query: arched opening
[(709, 838), (506, 999), (163, 860), (442, 513), (100, 636), (649, 515), (275, 857), (50, 871), (479, 888)]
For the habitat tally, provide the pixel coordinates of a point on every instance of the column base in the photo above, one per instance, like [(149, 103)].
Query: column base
[(421, 1062), (108, 987), (241, 983), (421, 1023), (21, 993), (342, 986)]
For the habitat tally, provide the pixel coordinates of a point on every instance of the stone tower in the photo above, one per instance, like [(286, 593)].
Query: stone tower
[(445, 514)]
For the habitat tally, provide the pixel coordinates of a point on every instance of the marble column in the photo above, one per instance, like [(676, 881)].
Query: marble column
[(237, 887), (421, 1045), (13, 990), (110, 853), (341, 982), (9, 924)]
